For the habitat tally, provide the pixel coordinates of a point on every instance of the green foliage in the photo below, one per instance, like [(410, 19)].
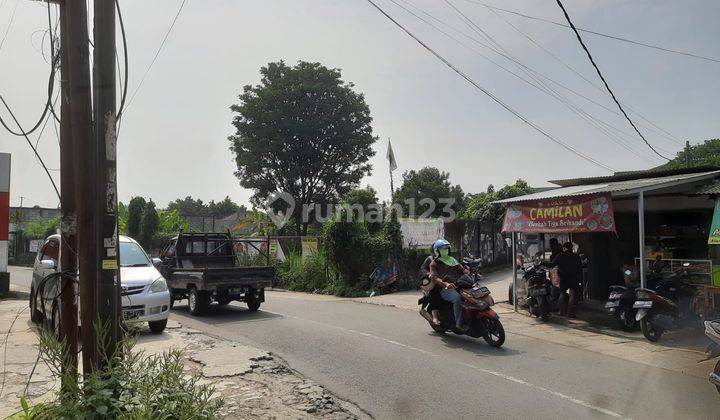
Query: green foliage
[(393, 233), (365, 199), (122, 218), (189, 206), (223, 208), (480, 205), (428, 183), (705, 154), (135, 210), (169, 221), (148, 224), (302, 130), (344, 239), (305, 274), (132, 385), (42, 228)]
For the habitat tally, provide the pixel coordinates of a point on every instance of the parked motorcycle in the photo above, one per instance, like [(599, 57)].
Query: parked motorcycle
[(712, 330), (477, 314), (539, 297), (620, 304), (658, 309)]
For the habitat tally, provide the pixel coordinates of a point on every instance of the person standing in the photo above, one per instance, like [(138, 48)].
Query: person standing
[(570, 268)]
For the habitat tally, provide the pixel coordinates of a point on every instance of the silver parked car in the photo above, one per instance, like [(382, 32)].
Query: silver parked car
[(145, 296)]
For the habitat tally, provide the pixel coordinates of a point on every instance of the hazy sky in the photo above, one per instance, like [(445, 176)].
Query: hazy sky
[(173, 139)]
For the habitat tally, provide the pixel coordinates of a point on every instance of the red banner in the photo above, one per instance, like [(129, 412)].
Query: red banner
[(586, 213)]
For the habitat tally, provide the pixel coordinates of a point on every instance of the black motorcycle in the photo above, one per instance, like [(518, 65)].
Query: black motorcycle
[(620, 304), (473, 265), (667, 306), (539, 296)]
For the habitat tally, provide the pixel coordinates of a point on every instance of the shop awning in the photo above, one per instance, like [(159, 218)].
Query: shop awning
[(615, 188)]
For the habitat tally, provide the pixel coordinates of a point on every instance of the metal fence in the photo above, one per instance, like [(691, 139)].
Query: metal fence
[(479, 240)]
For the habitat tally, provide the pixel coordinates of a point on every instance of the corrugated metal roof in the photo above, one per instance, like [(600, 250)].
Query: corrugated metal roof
[(713, 188), (625, 187), (632, 175)]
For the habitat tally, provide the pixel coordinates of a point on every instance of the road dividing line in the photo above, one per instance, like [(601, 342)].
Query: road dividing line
[(468, 365)]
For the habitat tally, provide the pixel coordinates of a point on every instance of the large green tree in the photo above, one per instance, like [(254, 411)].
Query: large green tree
[(134, 215), (188, 206), (222, 208), (302, 131), (148, 224), (428, 192), (704, 154)]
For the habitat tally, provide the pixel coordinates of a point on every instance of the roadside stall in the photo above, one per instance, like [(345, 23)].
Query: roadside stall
[(659, 218)]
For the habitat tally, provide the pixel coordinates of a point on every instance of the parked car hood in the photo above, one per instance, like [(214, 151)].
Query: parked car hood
[(138, 276)]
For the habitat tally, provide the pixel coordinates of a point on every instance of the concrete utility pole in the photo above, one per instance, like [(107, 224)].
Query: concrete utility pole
[(78, 79), (688, 161), (105, 174), (68, 244)]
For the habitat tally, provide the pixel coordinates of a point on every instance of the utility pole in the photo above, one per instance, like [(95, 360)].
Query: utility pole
[(105, 175), (78, 79), (68, 244), (688, 161)]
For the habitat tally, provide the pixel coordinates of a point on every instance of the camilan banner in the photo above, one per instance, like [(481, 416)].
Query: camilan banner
[(585, 213)]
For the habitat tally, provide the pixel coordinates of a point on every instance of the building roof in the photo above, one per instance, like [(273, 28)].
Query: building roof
[(632, 175), (713, 188), (618, 187)]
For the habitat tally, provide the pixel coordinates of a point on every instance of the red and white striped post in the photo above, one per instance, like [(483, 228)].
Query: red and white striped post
[(4, 222)]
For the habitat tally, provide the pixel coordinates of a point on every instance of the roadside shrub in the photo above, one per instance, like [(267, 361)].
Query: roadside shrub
[(132, 386), (305, 275), (344, 238)]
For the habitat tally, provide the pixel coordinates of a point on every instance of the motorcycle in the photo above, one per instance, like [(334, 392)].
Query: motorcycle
[(477, 314), (539, 291), (712, 330), (473, 265), (620, 304), (658, 310)]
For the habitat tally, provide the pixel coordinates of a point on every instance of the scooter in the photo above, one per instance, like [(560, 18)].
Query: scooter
[(620, 304), (539, 291), (477, 315), (712, 330), (657, 310)]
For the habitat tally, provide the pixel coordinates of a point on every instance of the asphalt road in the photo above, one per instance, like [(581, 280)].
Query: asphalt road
[(388, 361)]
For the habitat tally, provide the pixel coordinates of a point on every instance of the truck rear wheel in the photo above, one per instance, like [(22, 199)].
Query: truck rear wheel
[(198, 301), (253, 304)]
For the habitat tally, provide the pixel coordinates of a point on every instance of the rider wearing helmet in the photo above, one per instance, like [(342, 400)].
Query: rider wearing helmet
[(445, 271)]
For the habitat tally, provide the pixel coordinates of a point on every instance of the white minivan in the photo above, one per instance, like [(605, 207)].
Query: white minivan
[(145, 296)]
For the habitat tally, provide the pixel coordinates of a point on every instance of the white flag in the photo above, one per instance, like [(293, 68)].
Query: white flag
[(391, 157)]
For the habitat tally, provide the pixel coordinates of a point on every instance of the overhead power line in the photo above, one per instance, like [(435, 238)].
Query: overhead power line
[(612, 94), (488, 93), (617, 38), (34, 149), (157, 53), (12, 19)]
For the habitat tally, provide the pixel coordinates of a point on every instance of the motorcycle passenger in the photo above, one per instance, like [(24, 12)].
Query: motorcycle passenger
[(432, 292), (570, 269), (445, 271)]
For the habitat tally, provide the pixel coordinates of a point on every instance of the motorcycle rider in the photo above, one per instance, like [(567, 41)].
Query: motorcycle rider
[(445, 271)]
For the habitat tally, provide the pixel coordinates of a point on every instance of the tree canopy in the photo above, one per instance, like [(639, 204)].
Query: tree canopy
[(303, 131), (480, 205), (134, 215), (189, 206), (705, 154), (428, 185)]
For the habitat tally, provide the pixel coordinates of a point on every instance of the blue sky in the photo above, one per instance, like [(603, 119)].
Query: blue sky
[(173, 140)]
